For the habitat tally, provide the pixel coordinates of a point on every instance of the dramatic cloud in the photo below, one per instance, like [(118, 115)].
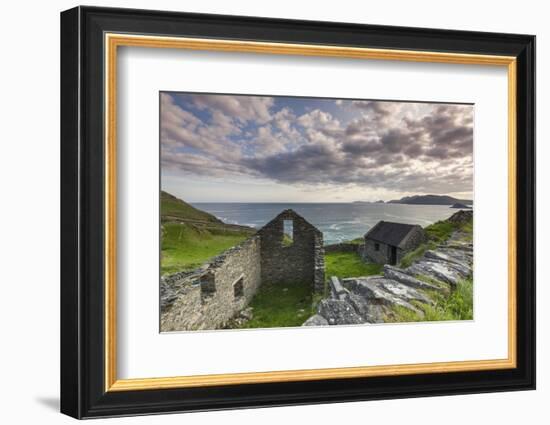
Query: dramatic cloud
[(396, 146)]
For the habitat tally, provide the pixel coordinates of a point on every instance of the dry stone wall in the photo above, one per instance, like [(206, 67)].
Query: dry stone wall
[(210, 296), (343, 247)]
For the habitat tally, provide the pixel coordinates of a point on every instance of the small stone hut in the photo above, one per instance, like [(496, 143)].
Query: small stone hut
[(388, 242)]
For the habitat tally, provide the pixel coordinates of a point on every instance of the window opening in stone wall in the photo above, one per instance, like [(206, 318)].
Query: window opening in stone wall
[(288, 232), (376, 246), (238, 288), (208, 286)]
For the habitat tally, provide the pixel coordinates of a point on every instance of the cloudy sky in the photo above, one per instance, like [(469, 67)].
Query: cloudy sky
[(227, 148)]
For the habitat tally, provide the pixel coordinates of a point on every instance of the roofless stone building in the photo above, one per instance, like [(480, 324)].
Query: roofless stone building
[(286, 250), (388, 242)]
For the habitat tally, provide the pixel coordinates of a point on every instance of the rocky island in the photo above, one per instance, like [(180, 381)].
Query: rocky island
[(461, 206)]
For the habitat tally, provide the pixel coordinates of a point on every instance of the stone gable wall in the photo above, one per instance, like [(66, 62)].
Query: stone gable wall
[(415, 238), (344, 247), (302, 261)]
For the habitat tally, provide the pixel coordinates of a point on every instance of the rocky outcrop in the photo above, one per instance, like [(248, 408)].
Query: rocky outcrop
[(316, 320), (371, 299), (339, 312), (461, 217), (337, 290), (376, 290), (394, 273), (458, 205), (438, 270)]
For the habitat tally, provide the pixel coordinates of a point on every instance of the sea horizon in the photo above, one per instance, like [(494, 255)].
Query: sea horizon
[(339, 221)]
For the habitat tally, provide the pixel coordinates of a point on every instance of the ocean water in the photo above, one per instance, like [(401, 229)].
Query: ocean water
[(338, 221)]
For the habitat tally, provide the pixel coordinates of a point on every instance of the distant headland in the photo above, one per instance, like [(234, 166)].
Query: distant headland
[(431, 200), (424, 200)]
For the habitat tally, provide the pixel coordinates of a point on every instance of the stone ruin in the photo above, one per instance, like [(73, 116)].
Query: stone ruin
[(300, 259), (209, 297)]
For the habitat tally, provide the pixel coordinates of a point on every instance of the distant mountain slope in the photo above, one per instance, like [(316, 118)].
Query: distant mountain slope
[(172, 207), (430, 200)]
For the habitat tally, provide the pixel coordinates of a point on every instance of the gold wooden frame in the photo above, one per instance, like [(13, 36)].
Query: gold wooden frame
[(113, 41)]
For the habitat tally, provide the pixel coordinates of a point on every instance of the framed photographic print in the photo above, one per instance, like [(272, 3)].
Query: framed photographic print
[(261, 212)]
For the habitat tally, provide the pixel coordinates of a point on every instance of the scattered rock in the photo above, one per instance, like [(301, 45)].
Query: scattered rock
[(336, 287), (462, 256), (316, 320), (438, 256), (393, 273), (467, 247), (440, 271), (371, 299), (404, 292), (461, 217), (372, 313), (374, 290), (247, 313), (338, 312)]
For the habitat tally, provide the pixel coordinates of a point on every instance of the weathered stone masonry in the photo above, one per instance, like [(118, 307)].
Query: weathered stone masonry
[(209, 297), (300, 261), (387, 242)]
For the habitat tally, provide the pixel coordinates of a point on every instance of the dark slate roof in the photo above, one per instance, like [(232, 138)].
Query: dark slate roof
[(390, 233)]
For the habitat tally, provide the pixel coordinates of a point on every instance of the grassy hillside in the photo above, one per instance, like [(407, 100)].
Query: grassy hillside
[(190, 237), (186, 246), (459, 305), (170, 206), (438, 232)]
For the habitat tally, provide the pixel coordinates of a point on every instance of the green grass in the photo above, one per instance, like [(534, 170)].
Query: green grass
[(438, 233), (281, 306), (187, 246), (410, 257), (348, 264), (287, 240), (433, 281), (441, 230), (458, 306), (468, 229), (174, 207)]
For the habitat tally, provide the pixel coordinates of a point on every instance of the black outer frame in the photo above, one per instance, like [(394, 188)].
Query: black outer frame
[(82, 218)]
